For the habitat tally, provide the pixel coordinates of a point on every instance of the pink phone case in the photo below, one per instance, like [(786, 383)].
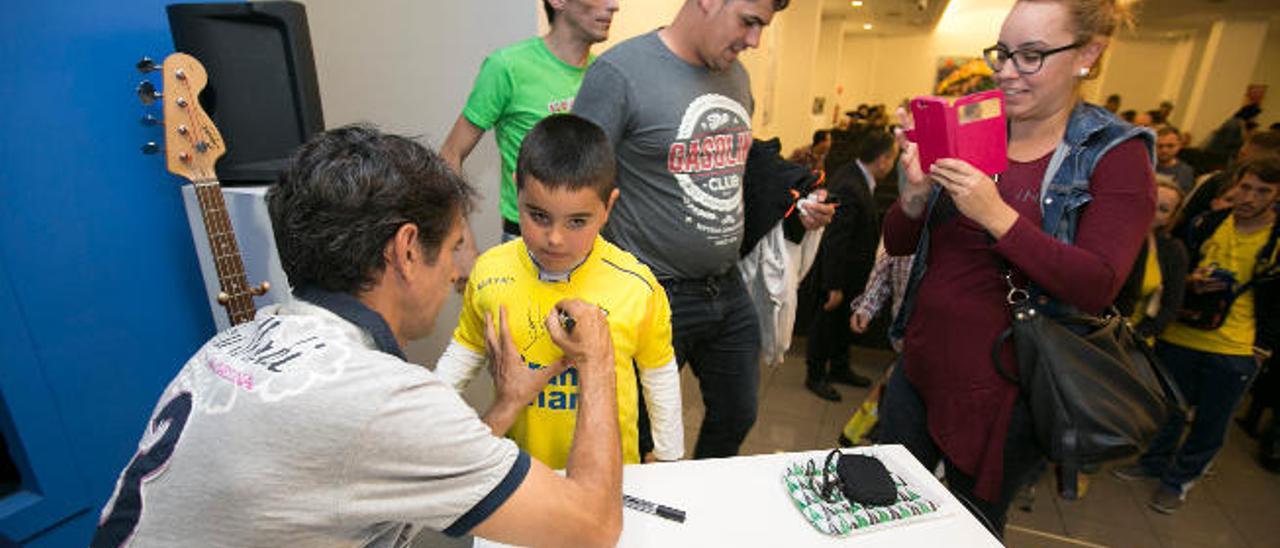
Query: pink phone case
[(971, 129)]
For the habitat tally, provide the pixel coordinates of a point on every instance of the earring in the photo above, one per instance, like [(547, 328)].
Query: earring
[(1084, 72)]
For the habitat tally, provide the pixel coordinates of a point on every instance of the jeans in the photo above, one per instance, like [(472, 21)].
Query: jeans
[(827, 349), (715, 330), (1214, 384), (903, 421)]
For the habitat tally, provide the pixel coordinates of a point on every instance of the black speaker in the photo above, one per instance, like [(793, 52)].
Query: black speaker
[(262, 93)]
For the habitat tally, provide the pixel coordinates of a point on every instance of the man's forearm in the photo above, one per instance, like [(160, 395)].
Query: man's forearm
[(595, 462)]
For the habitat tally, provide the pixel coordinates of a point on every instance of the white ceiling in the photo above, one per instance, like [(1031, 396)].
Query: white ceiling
[(1155, 17)]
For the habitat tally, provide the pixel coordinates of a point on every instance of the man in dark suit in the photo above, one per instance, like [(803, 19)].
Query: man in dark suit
[(846, 255)]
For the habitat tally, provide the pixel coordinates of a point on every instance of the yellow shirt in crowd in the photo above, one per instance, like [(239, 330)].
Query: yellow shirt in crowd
[(1235, 252), (639, 318)]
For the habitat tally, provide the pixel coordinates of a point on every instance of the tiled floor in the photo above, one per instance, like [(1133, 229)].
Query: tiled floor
[(1238, 505)]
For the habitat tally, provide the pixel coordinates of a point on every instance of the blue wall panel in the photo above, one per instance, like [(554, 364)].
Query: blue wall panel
[(97, 267)]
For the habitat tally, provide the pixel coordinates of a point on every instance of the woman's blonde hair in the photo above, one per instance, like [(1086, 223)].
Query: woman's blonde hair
[(1166, 181), (1092, 19)]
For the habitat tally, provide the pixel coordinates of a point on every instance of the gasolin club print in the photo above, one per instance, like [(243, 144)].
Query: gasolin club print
[(707, 159)]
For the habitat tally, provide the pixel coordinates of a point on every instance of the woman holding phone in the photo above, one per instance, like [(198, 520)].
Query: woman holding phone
[(1067, 217)]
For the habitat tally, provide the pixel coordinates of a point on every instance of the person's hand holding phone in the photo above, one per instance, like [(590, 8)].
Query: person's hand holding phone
[(915, 195)]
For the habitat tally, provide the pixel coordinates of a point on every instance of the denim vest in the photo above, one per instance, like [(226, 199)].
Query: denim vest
[(1091, 133)]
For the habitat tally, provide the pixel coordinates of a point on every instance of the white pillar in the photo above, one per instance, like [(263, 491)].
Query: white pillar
[(1226, 68)]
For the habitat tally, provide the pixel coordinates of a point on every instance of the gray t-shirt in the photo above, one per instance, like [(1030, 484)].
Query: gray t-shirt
[(681, 134), (292, 430), (1182, 174)]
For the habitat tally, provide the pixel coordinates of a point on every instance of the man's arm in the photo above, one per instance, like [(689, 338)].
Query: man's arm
[(461, 141), (583, 508)]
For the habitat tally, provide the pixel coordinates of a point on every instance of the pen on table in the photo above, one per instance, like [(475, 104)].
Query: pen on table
[(648, 507)]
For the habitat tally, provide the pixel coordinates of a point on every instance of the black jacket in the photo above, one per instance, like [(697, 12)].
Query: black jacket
[(770, 188), (847, 253), (1172, 257), (1266, 274)]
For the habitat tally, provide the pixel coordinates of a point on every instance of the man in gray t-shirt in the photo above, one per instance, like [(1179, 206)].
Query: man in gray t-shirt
[(307, 427), (677, 105)]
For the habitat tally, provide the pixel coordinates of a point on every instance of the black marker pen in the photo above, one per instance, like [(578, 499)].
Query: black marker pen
[(636, 503)]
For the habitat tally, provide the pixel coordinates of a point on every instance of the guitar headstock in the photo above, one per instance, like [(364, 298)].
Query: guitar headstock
[(192, 143)]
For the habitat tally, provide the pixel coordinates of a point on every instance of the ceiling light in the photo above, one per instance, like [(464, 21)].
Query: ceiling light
[(866, 26), (856, 3)]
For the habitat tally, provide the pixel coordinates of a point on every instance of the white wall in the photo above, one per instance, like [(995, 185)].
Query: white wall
[(408, 66), (796, 31), (1268, 73), (1140, 70), (888, 69), (826, 71)]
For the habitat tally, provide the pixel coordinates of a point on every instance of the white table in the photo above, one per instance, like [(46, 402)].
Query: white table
[(741, 501)]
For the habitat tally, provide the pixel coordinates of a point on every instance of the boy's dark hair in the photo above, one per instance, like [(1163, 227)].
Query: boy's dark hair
[(346, 193), (873, 144), (1265, 167), (565, 151)]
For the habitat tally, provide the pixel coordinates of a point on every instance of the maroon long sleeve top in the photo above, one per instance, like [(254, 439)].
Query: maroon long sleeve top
[(960, 308)]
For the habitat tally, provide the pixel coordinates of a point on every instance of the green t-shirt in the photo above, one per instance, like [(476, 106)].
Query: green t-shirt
[(517, 86)]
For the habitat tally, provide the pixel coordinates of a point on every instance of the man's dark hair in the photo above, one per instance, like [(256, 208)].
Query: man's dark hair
[(1268, 141), (1265, 167), (1168, 130), (551, 12), (820, 136), (1114, 97), (779, 5), (1129, 115), (346, 193), (874, 143), (566, 151), (1157, 117)]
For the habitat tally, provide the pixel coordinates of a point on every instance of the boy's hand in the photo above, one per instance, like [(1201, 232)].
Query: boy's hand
[(588, 346)]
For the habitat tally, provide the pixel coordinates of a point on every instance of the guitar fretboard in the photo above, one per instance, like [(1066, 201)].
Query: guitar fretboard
[(226, 253)]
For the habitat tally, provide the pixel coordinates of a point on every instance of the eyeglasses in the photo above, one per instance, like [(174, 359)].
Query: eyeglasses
[(1026, 61), (829, 489)]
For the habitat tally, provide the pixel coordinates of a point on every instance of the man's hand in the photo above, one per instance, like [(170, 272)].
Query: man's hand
[(815, 214), (834, 296), (516, 385), (588, 346), (859, 321)]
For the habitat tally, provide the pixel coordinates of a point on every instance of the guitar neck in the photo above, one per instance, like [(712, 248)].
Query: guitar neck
[(236, 295)]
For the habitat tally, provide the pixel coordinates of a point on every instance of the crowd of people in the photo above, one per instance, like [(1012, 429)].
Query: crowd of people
[(623, 221)]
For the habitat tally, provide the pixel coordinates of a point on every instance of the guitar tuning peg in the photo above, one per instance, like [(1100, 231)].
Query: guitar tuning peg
[(150, 148), (147, 92), (150, 120), (146, 64)]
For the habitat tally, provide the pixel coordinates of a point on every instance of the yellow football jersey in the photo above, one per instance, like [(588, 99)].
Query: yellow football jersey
[(639, 320)]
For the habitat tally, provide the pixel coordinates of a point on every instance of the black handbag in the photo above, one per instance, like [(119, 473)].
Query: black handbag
[(1094, 390)]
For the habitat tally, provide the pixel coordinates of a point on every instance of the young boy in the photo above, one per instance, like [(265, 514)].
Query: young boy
[(565, 190)]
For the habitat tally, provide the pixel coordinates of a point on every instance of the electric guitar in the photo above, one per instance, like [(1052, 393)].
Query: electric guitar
[(192, 145)]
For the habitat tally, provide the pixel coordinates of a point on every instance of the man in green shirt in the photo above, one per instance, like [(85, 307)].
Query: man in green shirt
[(525, 82)]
